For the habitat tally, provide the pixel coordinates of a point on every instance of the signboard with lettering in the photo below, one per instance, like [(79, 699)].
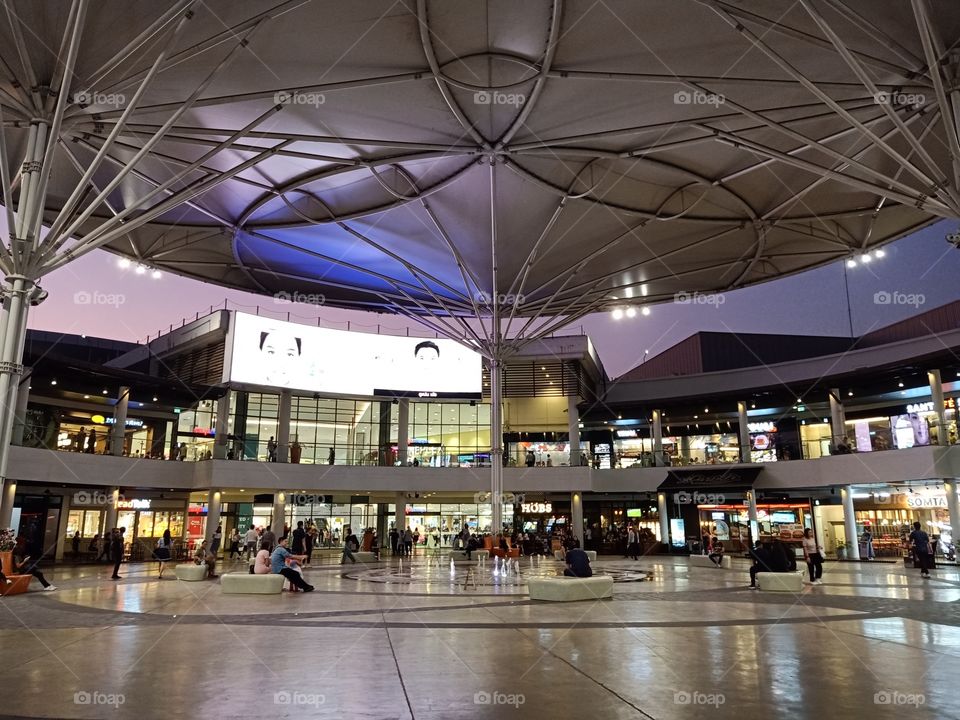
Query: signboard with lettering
[(537, 508), (134, 504)]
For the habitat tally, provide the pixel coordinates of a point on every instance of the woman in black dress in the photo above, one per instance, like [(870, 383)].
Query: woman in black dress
[(164, 550)]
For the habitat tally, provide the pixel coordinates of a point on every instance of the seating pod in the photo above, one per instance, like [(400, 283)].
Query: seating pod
[(566, 589), (247, 584), (781, 581), (191, 572)]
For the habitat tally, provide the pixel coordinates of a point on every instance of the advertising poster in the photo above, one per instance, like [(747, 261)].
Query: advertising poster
[(274, 353)]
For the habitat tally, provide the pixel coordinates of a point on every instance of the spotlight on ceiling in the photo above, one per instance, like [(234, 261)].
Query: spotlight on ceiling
[(617, 314)]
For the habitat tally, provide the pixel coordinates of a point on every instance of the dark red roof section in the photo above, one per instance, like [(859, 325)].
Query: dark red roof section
[(684, 358), (940, 319)]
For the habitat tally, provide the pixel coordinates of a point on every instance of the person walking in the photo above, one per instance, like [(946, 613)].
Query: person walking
[(394, 541), (311, 541), (813, 555), (633, 543), (920, 543), (250, 542), (299, 540), (272, 449), (268, 540), (81, 440), (163, 553), (868, 542), (234, 543), (92, 441), (350, 546), (330, 457), (116, 552), (408, 542), (217, 537)]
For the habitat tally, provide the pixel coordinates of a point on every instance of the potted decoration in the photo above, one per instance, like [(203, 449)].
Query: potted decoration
[(8, 541), (842, 549)]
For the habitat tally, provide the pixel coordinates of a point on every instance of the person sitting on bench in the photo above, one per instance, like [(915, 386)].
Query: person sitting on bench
[(278, 566), (578, 564), (716, 552), (205, 556), (472, 544)]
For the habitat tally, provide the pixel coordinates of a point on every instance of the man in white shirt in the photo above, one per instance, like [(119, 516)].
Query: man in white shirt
[(632, 543), (250, 542)]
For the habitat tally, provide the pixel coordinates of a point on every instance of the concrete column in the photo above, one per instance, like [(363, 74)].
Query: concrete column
[(664, 522), (279, 513), (119, 421), (953, 508), (658, 459), (576, 515), (20, 416), (111, 520), (850, 523), (213, 516), (837, 417), (685, 447), (400, 517), (222, 427), (744, 432), (754, 516), (6, 502), (283, 427), (384, 457), (936, 394), (573, 427), (186, 520), (403, 431)]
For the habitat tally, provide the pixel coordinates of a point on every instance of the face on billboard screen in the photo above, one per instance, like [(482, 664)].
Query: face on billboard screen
[(287, 355)]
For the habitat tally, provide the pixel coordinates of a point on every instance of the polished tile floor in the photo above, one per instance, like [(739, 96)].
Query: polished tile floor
[(423, 639)]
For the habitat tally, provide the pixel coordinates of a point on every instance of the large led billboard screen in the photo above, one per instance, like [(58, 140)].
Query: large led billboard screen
[(274, 353)]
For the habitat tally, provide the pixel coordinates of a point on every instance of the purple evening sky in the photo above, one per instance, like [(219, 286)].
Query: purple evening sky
[(923, 268)]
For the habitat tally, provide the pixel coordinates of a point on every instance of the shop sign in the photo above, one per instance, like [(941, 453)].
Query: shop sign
[(626, 433), (762, 427), (927, 407), (101, 420), (134, 504), (927, 501), (537, 508)]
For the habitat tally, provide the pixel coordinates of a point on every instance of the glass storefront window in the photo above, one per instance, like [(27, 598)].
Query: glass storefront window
[(86, 521)]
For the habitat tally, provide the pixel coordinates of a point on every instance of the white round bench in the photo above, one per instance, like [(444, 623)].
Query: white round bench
[(704, 561), (781, 581), (565, 589), (190, 572), (247, 584)]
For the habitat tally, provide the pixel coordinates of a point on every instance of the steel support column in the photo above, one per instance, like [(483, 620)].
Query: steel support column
[(657, 430), (496, 443)]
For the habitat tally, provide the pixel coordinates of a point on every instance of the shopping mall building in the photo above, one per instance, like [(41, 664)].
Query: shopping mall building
[(240, 419)]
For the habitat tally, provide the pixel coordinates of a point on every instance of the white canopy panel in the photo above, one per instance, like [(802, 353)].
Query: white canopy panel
[(465, 157)]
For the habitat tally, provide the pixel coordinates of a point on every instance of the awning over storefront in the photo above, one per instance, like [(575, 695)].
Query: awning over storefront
[(728, 478)]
